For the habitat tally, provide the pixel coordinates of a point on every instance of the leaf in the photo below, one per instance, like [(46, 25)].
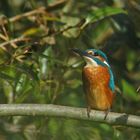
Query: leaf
[(6, 76), (101, 13), (7, 72), (31, 31), (129, 91)]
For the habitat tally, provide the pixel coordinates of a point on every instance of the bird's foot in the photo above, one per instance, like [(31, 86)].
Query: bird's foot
[(88, 111), (106, 113)]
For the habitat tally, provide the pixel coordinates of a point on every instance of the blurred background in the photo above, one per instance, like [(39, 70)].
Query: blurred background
[(38, 66)]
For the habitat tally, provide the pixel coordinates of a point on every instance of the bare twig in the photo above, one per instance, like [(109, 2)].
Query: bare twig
[(134, 4), (138, 89), (20, 39), (34, 12), (69, 112)]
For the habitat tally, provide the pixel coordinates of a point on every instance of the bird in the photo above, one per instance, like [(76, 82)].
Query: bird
[(98, 80)]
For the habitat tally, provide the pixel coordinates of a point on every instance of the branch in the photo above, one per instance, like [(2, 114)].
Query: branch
[(19, 39), (134, 5), (40, 10), (69, 112)]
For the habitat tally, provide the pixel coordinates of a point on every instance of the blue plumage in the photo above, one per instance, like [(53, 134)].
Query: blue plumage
[(98, 80), (111, 82), (99, 52), (99, 62)]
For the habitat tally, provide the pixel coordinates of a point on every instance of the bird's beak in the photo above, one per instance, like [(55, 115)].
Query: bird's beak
[(80, 52), (88, 59)]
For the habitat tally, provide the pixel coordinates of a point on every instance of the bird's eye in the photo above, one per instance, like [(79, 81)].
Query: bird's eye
[(96, 54), (90, 52)]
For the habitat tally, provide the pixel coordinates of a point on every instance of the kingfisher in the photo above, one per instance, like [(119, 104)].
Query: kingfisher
[(98, 80)]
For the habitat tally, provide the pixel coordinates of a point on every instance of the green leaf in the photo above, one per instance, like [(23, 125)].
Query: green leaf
[(101, 13), (6, 76), (129, 91)]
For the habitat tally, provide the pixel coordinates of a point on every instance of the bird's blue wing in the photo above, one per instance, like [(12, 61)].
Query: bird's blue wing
[(111, 82)]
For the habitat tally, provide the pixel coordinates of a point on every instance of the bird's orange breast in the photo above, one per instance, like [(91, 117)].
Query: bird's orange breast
[(96, 85)]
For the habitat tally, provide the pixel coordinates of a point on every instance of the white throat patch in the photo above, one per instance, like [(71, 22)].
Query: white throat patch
[(90, 62)]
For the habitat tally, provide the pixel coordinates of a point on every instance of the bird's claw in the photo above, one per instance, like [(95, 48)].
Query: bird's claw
[(88, 111), (106, 113)]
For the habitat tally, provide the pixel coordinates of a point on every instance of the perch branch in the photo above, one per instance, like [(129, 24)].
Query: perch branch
[(69, 112)]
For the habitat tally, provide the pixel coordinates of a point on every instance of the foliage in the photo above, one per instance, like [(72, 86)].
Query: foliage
[(38, 66)]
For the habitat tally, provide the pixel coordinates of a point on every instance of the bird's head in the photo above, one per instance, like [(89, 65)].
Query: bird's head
[(93, 57)]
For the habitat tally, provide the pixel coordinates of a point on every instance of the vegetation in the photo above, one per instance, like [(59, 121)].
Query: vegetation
[(38, 66)]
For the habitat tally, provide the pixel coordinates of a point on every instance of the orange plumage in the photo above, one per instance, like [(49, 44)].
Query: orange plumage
[(96, 85), (98, 80)]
